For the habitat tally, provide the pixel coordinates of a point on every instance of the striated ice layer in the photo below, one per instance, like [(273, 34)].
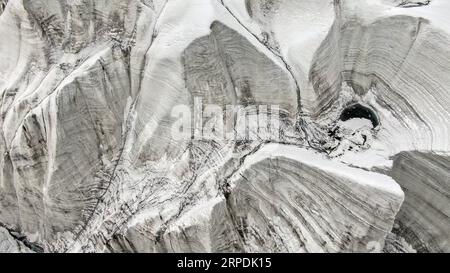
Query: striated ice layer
[(423, 220)]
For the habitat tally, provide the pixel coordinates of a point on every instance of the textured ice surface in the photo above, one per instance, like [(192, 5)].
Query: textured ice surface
[(89, 161)]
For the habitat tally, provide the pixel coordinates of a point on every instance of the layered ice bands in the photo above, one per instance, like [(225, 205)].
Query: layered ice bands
[(344, 107)]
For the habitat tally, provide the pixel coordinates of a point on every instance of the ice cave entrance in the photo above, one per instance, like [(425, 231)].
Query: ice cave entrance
[(359, 111)]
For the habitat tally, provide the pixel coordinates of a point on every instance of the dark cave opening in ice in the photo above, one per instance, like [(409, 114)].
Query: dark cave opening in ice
[(359, 111)]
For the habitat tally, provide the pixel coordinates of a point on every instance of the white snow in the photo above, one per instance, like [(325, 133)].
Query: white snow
[(314, 159), (355, 124)]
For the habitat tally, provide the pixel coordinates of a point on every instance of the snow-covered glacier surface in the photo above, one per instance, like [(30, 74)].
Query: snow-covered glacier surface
[(225, 126)]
